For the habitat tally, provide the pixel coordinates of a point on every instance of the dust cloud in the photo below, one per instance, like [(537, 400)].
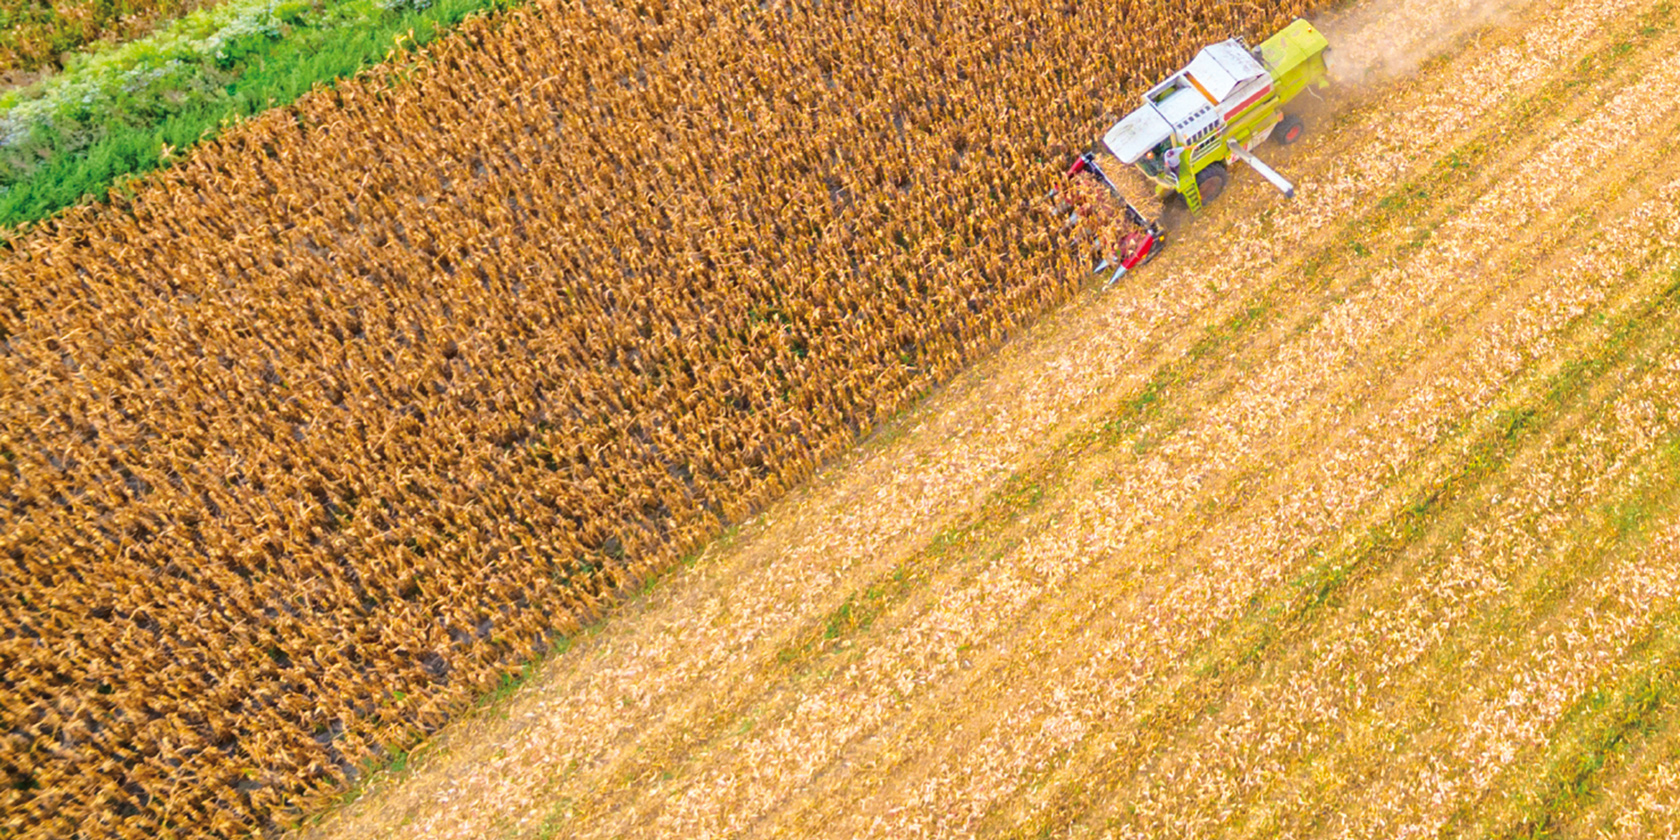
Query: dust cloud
[(1391, 38)]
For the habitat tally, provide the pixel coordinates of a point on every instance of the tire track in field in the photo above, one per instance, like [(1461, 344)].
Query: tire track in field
[(607, 729), (1531, 668), (1271, 730), (1216, 753), (1669, 234), (607, 808), (1636, 792), (670, 661), (703, 638), (755, 755), (1035, 661), (1066, 621), (1381, 543)]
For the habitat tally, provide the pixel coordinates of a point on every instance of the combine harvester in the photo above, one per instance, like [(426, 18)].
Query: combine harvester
[(1190, 127)]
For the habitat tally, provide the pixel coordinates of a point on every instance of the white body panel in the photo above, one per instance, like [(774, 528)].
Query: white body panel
[(1211, 76), (1235, 62), (1188, 112), (1134, 136), (1192, 103)]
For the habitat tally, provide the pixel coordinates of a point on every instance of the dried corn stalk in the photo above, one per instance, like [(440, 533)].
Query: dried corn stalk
[(347, 416)]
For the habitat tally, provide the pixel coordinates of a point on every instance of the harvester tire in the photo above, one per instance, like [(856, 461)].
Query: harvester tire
[(1211, 182), (1289, 130)]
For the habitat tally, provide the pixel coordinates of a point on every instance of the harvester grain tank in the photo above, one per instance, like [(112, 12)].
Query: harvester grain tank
[(1219, 108)]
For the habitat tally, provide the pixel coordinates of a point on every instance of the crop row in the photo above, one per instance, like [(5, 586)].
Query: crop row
[(337, 424)]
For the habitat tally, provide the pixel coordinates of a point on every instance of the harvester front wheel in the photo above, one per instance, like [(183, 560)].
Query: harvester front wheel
[(1211, 182), (1289, 130)]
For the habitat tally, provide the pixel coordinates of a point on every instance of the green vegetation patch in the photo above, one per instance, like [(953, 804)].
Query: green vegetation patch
[(33, 33), (127, 110)]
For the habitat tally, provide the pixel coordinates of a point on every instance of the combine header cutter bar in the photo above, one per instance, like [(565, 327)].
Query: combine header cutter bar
[(1139, 246)]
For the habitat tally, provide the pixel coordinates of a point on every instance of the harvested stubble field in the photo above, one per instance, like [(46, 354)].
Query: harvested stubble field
[(325, 432), (1355, 516)]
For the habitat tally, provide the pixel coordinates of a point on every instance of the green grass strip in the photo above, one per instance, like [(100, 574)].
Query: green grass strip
[(129, 110)]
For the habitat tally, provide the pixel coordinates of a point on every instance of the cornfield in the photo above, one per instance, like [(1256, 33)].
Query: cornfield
[(330, 428)]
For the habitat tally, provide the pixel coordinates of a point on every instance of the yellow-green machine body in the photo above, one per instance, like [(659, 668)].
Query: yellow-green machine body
[(1227, 101)]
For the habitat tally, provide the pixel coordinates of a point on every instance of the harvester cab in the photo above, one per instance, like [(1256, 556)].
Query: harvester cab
[(1224, 103)]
